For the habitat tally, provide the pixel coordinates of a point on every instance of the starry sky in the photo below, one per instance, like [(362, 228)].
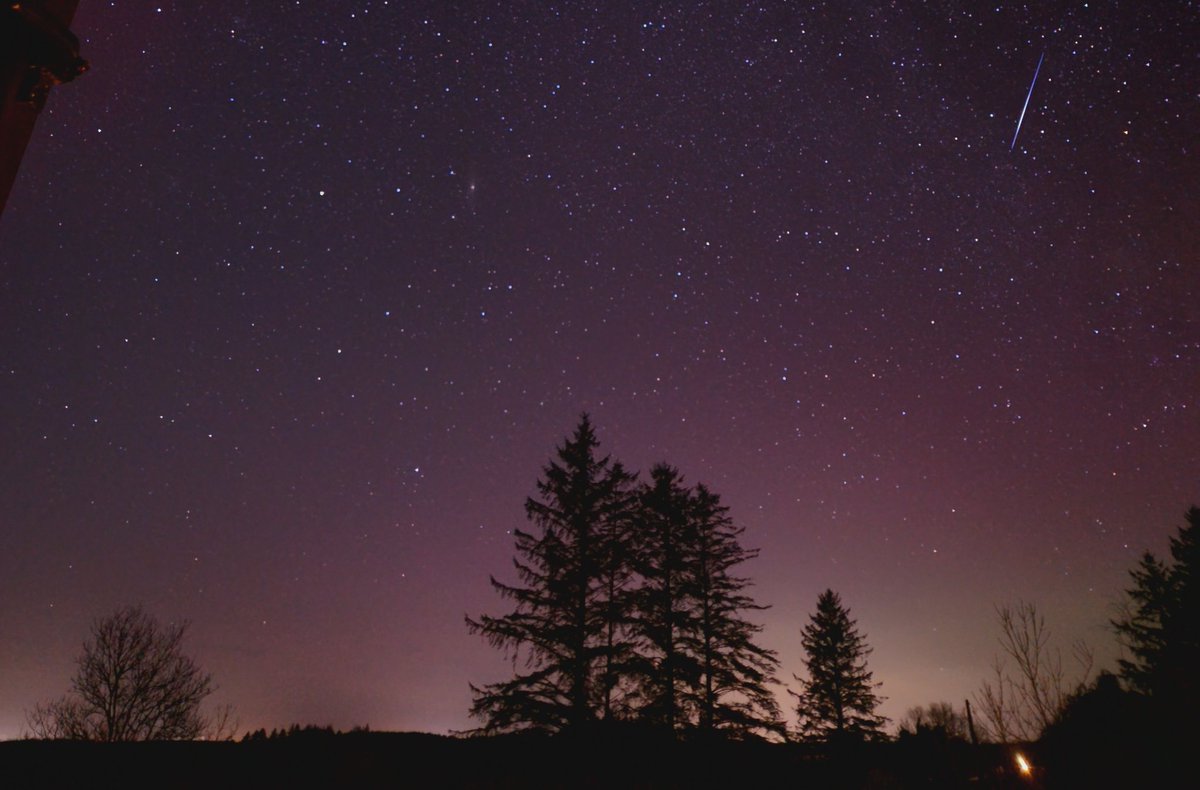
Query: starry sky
[(296, 299)]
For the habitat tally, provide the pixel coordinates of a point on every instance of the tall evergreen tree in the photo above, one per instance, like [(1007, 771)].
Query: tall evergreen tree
[(1141, 630), (562, 625), (734, 671), (1162, 629), (664, 614), (616, 547), (838, 699), (701, 667)]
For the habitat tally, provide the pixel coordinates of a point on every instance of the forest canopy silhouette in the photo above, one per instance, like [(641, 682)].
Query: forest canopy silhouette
[(631, 618), (629, 608)]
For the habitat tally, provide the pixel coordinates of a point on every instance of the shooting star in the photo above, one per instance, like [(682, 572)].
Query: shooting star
[(1027, 97)]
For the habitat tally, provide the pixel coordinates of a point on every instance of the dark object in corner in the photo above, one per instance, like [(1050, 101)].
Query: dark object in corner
[(37, 52)]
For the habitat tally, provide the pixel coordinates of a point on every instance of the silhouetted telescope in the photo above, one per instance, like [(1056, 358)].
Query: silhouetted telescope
[(37, 52)]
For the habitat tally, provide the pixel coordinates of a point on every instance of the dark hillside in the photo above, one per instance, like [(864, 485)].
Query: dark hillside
[(366, 759)]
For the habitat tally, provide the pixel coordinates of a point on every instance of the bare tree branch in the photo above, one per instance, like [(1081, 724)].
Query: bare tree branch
[(1020, 703), (133, 683)]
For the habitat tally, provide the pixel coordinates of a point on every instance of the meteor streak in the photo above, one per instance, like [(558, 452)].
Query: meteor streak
[(1026, 106)]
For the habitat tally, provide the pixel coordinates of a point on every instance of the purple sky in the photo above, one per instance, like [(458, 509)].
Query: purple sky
[(296, 299)]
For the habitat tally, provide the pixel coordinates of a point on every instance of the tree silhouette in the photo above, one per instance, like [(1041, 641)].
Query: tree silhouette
[(563, 625), (838, 700), (615, 546), (627, 608), (1162, 629), (938, 719), (664, 613), (1141, 630), (733, 669), (133, 683), (1030, 685), (700, 667)]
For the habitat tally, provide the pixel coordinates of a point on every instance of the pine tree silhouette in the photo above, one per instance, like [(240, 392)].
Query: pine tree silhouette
[(838, 700), (664, 614), (734, 671), (562, 626), (1162, 630), (702, 669)]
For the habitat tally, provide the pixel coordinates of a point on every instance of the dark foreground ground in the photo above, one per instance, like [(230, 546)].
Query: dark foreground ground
[(368, 759)]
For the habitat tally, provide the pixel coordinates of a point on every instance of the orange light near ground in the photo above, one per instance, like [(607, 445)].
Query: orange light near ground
[(1023, 766)]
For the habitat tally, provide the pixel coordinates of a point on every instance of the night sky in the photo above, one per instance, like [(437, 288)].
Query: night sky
[(296, 299)]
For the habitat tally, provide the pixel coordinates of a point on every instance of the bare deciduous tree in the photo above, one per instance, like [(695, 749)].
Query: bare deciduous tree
[(938, 717), (133, 683), (1029, 686)]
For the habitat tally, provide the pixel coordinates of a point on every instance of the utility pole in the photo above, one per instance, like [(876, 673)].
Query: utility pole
[(37, 52)]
